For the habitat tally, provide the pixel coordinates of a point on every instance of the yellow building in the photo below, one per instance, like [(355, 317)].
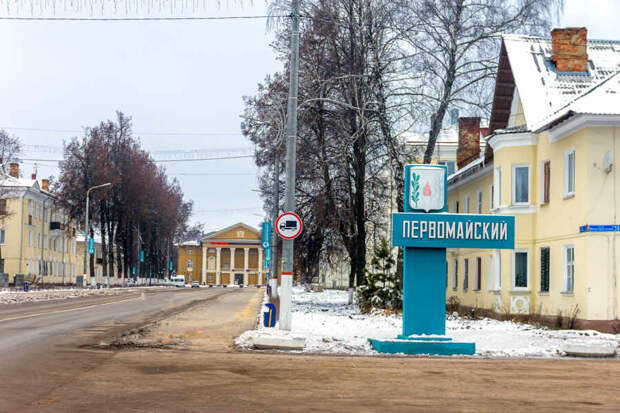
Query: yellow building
[(36, 238), (233, 255), (555, 128), (190, 261)]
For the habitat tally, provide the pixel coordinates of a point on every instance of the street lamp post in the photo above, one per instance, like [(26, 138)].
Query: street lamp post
[(86, 232)]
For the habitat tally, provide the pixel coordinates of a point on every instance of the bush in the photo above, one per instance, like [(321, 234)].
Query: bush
[(381, 289)]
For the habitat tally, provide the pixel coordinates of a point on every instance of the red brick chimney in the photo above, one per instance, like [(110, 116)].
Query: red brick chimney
[(569, 49), (45, 184), (14, 170), (469, 141)]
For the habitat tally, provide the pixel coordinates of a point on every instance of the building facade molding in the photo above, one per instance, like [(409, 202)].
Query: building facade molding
[(509, 140), (577, 122)]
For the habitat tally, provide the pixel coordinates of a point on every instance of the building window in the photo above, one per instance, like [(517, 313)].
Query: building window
[(189, 252), (569, 269), (497, 187), (545, 182), (210, 278), (456, 206), (569, 172), (466, 207), (478, 280), (520, 270), (491, 197), (490, 273), (30, 238), (544, 269), (520, 184), (2, 237), (450, 165), (466, 274), (479, 202), (455, 275), (190, 265), (3, 210)]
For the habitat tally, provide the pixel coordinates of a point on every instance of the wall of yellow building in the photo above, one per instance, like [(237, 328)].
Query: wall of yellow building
[(195, 273), (553, 225), (22, 230)]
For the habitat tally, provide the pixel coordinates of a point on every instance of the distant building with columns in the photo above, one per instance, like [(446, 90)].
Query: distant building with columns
[(233, 255)]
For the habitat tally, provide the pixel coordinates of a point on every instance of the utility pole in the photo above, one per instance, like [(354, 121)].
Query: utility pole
[(276, 210), (286, 285), (86, 231)]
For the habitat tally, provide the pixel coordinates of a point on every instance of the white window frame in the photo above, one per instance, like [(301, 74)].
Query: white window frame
[(189, 251), (479, 201), (456, 204), (190, 264), (497, 183), (465, 274), (527, 269), (565, 249), (569, 192), (466, 206), (491, 197), (490, 273), (455, 275), (541, 198), (514, 183), (498, 270), (478, 275)]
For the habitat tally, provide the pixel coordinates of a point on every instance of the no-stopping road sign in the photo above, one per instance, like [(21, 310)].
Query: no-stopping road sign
[(289, 225)]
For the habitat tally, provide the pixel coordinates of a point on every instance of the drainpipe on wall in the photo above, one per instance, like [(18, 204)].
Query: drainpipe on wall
[(21, 232)]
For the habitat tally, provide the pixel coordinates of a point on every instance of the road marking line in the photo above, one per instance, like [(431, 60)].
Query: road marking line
[(67, 310)]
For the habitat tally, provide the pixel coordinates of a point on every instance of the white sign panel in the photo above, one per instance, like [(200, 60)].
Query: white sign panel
[(426, 188)]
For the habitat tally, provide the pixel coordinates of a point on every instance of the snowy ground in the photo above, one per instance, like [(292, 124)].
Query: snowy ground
[(331, 326), (16, 297)]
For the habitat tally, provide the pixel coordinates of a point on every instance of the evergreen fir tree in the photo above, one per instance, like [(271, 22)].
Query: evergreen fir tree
[(381, 288)]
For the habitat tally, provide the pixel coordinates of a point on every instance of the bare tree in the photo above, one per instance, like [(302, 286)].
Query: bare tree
[(450, 47), (10, 149)]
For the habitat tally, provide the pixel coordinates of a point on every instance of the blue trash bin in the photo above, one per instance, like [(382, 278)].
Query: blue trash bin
[(269, 317), (26, 286)]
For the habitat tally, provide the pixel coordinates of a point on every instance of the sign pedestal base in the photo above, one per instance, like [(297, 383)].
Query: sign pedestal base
[(437, 346), (424, 308)]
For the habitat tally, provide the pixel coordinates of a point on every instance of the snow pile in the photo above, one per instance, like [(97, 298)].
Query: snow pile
[(17, 297), (331, 326)]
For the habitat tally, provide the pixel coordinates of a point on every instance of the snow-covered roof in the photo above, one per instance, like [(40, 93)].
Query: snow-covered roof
[(190, 244), (10, 181), (544, 91), (448, 135)]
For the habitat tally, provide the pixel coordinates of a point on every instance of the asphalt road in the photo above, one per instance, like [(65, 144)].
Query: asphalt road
[(40, 343), (54, 367)]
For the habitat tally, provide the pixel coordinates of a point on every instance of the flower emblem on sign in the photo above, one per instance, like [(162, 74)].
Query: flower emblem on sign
[(426, 190)]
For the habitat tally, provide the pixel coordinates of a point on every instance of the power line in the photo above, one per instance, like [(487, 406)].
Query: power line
[(157, 161), (123, 19), (137, 133), (215, 174)]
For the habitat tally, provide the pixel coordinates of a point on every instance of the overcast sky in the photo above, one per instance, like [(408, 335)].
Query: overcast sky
[(184, 78)]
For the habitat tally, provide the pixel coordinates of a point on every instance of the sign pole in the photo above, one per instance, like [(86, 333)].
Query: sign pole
[(425, 230), (286, 284)]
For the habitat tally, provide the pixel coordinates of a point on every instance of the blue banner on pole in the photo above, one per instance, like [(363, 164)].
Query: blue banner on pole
[(266, 242), (141, 256), (91, 246), (170, 265)]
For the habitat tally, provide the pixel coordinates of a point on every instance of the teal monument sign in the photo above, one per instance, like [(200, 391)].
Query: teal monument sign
[(425, 230)]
